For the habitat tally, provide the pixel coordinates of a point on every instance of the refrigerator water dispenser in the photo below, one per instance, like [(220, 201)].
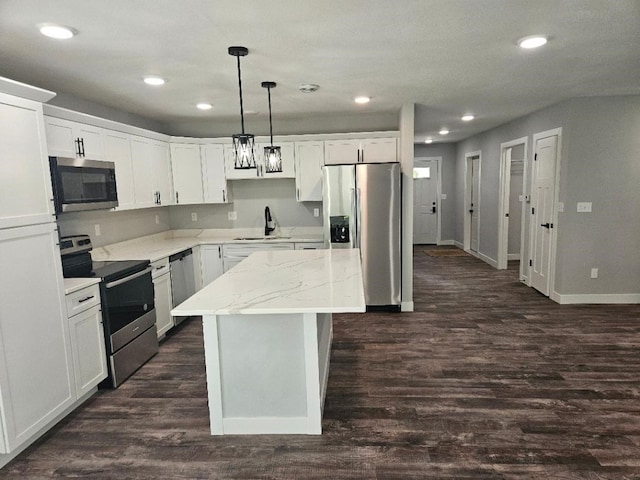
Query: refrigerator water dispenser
[(339, 228)]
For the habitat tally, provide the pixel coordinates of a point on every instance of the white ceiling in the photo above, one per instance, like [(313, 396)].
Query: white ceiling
[(448, 56)]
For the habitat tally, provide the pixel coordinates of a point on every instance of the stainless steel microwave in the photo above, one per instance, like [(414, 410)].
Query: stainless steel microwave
[(81, 184)]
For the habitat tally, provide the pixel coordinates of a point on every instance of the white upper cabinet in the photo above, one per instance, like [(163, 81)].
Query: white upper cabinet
[(214, 181), (288, 163), (151, 172), (25, 181), (118, 151), (368, 150), (161, 162), (187, 173), (72, 139), (142, 160), (309, 162)]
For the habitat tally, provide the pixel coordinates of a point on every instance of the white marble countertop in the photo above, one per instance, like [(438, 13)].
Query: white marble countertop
[(72, 285), (291, 281), (162, 245)]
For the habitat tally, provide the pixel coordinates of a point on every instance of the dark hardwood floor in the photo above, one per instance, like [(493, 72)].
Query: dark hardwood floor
[(487, 379)]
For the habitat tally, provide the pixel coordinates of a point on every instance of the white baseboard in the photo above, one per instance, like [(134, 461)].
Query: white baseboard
[(447, 242), (267, 425), (596, 298), (513, 256), (458, 244), (489, 260), (406, 306)]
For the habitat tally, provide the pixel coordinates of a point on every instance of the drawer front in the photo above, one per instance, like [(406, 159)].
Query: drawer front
[(310, 246), (160, 267), (83, 299)]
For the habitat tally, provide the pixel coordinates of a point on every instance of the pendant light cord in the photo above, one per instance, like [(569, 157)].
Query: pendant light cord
[(270, 123), (240, 90)]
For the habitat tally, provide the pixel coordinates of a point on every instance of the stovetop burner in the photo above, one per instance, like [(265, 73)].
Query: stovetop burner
[(76, 261)]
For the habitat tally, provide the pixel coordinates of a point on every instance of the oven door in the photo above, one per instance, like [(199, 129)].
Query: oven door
[(128, 308), (80, 184)]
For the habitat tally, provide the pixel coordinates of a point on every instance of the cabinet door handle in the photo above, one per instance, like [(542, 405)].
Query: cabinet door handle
[(82, 300), (82, 146), (224, 196), (297, 194), (177, 201), (219, 251), (160, 268), (78, 151)]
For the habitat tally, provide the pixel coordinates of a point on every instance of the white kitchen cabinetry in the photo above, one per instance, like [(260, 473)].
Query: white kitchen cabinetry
[(87, 339), (187, 173), (118, 151), (366, 150), (36, 379), (25, 182), (211, 263), (234, 253), (151, 172), (309, 162), (214, 180), (72, 139), (288, 163), (162, 297)]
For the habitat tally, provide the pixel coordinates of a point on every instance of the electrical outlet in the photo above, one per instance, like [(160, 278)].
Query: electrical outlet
[(97, 228), (560, 207), (594, 273), (443, 196), (233, 216), (584, 207), (316, 212), (194, 216), (157, 219)]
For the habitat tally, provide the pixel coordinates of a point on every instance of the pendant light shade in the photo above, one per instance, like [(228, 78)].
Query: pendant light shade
[(243, 143), (272, 154)]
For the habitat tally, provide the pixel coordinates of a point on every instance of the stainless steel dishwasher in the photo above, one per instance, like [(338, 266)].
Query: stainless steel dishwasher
[(183, 280)]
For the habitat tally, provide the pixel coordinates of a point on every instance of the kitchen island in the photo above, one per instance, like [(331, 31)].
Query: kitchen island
[(267, 337)]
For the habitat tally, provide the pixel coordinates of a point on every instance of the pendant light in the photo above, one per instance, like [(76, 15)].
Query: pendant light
[(272, 155), (243, 143)]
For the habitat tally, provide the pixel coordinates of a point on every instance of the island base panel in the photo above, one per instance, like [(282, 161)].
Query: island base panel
[(267, 374)]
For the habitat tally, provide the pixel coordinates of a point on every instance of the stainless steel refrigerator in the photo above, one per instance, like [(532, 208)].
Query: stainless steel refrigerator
[(362, 209)]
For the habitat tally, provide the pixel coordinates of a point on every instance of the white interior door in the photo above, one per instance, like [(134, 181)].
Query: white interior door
[(425, 202), (542, 200), (474, 207)]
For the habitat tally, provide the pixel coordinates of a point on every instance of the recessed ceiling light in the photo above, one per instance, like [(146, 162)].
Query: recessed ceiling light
[(429, 140), (204, 106), (309, 87), (532, 41), (362, 100), (153, 80), (444, 131), (60, 32), (467, 118)]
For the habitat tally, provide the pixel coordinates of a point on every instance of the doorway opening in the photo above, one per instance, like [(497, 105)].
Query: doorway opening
[(471, 217), (512, 203), (426, 200)]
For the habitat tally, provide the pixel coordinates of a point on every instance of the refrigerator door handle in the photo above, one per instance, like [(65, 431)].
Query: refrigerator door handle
[(353, 227), (358, 214)]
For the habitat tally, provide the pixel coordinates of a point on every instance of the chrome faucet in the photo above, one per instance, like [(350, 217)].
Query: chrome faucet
[(268, 222)]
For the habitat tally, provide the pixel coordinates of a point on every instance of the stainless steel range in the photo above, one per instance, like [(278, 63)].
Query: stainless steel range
[(128, 311)]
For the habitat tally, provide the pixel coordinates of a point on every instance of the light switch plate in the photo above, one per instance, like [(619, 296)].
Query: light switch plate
[(316, 212), (233, 216), (584, 207), (443, 196), (194, 216), (97, 228), (560, 207)]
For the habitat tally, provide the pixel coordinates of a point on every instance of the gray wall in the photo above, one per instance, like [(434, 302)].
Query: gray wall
[(249, 199), (308, 124), (448, 175), (600, 163)]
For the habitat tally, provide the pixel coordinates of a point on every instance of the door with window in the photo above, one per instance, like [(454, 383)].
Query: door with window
[(425, 201)]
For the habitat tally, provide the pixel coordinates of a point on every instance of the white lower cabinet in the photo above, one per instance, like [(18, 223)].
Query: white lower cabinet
[(36, 373), (310, 246), (87, 339), (211, 263), (162, 299)]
